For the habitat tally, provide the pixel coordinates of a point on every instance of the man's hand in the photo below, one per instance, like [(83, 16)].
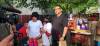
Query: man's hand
[(62, 38)]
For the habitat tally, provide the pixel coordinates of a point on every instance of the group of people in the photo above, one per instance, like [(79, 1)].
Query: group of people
[(36, 30), (50, 32)]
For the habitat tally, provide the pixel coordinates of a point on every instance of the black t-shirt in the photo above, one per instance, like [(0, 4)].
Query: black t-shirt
[(59, 22)]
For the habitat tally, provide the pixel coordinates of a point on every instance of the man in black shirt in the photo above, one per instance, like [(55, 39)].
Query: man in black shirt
[(59, 28)]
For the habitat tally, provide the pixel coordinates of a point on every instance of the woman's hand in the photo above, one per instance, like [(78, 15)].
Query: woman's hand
[(43, 30), (38, 37)]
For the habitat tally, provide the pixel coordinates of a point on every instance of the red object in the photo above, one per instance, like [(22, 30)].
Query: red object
[(33, 42), (80, 38), (48, 34), (23, 31)]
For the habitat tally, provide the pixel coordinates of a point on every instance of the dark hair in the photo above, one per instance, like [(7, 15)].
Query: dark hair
[(43, 19), (35, 14)]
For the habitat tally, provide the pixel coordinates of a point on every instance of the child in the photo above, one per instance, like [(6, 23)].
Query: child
[(46, 32), (23, 31), (33, 30)]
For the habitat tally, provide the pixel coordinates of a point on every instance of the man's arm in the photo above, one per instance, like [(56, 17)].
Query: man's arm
[(65, 24), (64, 33)]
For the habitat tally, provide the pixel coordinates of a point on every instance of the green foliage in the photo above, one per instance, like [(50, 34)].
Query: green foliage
[(67, 5), (2, 2), (19, 3), (34, 3), (80, 5), (43, 4)]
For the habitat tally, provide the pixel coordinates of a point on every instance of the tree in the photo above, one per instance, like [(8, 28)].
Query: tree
[(31, 4), (67, 5)]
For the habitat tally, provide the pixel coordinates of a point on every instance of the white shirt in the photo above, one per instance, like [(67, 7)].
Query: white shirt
[(47, 40), (34, 28)]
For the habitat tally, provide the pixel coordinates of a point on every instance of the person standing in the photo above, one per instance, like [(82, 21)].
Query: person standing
[(59, 26), (97, 34), (34, 27), (22, 31), (46, 32)]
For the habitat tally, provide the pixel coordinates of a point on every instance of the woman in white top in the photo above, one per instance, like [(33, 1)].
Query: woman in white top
[(46, 32)]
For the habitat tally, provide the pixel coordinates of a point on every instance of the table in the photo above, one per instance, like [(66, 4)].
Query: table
[(82, 33), (85, 34)]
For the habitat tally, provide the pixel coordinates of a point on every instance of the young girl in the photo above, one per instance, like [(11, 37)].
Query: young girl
[(46, 32)]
